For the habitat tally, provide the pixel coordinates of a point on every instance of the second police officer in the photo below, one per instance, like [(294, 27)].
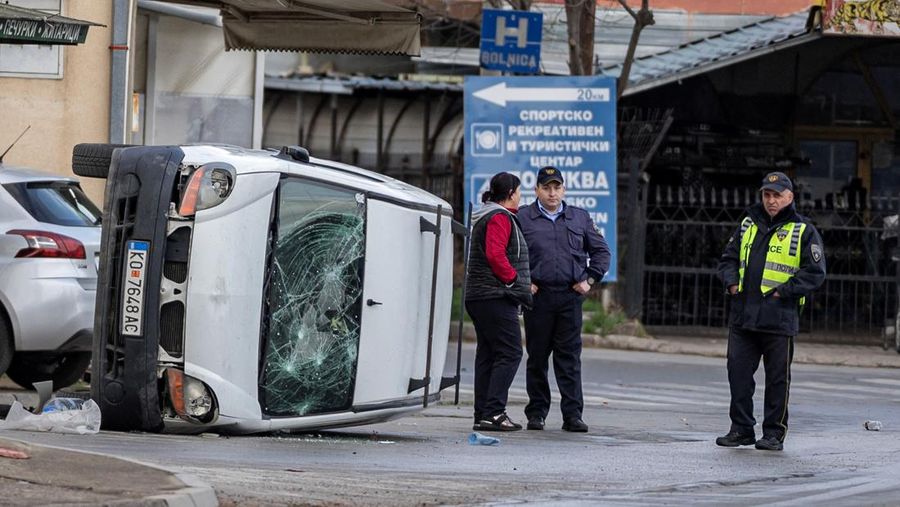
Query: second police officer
[(567, 255), (771, 263)]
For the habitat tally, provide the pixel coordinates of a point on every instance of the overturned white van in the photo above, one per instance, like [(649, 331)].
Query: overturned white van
[(245, 291)]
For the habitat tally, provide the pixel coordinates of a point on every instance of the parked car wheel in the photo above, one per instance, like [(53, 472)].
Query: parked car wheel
[(6, 345), (93, 160), (64, 369)]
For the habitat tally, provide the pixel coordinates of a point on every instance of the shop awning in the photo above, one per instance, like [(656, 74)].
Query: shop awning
[(318, 26), (19, 25)]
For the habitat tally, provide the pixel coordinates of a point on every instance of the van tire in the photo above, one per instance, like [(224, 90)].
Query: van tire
[(92, 160)]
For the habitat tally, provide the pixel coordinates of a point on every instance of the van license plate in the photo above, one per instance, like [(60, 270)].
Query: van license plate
[(133, 290)]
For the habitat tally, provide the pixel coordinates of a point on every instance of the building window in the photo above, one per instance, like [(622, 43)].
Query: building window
[(33, 60)]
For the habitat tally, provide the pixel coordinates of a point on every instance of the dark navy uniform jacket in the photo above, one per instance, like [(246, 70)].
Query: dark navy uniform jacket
[(559, 251), (750, 309)]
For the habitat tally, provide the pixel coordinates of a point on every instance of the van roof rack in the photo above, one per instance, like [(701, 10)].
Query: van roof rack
[(295, 153)]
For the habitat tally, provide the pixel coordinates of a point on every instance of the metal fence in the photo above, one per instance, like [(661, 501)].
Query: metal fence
[(686, 230)]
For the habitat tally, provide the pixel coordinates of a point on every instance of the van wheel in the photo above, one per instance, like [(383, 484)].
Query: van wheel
[(92, 159), (6, 344), (63, 369)]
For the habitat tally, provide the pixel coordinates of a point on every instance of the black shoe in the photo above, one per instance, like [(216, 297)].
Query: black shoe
[(536, 423), (575, 425), (769, 444), (477, 420), (735, 439), (500, 422)]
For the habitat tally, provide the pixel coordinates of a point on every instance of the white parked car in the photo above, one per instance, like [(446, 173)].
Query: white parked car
[(247, 291), (49, 243)]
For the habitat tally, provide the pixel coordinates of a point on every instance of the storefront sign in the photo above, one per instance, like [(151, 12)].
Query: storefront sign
[(520, 124), (861, 17), (30, 31)]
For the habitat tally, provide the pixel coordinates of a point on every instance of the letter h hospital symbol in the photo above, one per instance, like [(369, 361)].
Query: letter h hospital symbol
[(521, 33)]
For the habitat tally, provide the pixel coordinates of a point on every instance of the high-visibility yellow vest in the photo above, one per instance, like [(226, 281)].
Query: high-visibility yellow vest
[(782, 256)]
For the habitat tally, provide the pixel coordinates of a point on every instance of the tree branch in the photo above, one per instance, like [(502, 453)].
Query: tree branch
[(624, 4), (643, 19)]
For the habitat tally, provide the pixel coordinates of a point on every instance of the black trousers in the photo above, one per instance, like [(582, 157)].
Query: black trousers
[(745, 348), (554, 327), (497, 354)]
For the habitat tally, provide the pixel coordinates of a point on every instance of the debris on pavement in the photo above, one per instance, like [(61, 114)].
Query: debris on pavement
[(872, 425), (478, 439), (13, 453), (83, 421)]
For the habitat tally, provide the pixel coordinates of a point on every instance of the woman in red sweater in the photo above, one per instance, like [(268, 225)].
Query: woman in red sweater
[(498, 283)]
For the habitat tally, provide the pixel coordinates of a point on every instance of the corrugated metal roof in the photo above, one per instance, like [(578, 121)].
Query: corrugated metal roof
[(347, 85), (717, 51), (612, 33), (670, 64)]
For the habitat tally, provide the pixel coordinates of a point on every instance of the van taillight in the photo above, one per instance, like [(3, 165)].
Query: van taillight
[(49, 244)]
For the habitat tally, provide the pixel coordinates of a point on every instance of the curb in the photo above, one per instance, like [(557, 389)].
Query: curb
[(196, 493), (804, 353)]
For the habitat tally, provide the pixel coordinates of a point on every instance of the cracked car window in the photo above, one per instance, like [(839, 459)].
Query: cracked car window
[(314, 300)]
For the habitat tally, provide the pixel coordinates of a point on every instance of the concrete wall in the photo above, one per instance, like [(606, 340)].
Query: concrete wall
[(62, 112)]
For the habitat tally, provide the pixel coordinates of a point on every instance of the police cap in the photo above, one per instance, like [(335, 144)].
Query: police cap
[(548, 174), (777, 181)]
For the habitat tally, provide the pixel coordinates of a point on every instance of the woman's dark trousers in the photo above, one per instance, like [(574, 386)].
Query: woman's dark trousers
[(498, 352)]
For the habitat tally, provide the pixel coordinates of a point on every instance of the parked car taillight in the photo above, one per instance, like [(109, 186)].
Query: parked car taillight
[(49, 244)]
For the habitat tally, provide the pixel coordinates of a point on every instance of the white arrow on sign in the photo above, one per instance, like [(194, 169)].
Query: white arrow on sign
[(499, 94)]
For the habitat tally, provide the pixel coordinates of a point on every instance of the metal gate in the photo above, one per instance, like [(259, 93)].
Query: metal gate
[(686, 230)]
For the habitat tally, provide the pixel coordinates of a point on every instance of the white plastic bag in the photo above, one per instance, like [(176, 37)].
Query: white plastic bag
[(84, 421)]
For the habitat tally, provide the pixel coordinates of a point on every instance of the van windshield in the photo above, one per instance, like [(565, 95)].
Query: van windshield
[(314, 300), (55, 202)]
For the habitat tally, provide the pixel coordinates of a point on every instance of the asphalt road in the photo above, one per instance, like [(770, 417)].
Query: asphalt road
[(653, 420)]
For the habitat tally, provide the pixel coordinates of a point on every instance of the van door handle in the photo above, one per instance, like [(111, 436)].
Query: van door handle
[(372, 302)]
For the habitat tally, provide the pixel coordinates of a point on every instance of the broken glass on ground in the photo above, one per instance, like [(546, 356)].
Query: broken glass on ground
[(314, 298)]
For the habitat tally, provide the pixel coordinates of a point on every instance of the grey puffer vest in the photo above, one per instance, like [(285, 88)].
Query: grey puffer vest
[(481, 282)]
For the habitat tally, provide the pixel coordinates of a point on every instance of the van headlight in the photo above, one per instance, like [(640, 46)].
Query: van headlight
[(191, 398), (209, 185)]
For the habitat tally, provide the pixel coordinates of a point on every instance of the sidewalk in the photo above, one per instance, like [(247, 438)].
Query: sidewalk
[(804, 352), (42, 475)]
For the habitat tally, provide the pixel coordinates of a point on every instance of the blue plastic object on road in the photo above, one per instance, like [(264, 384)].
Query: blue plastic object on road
[(479, 439), (63, 404)]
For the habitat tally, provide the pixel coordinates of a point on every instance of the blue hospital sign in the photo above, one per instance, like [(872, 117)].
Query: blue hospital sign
[(511, 40), (520, 124)]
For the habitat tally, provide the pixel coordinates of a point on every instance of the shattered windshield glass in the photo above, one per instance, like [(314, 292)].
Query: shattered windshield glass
[(315, 298)]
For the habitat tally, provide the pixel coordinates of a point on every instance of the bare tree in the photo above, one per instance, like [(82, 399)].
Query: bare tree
[(580, 15), (642, 18), (580, 21)]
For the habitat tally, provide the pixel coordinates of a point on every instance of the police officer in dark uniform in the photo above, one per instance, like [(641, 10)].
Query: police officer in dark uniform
[(567, 255), (771, 264)]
